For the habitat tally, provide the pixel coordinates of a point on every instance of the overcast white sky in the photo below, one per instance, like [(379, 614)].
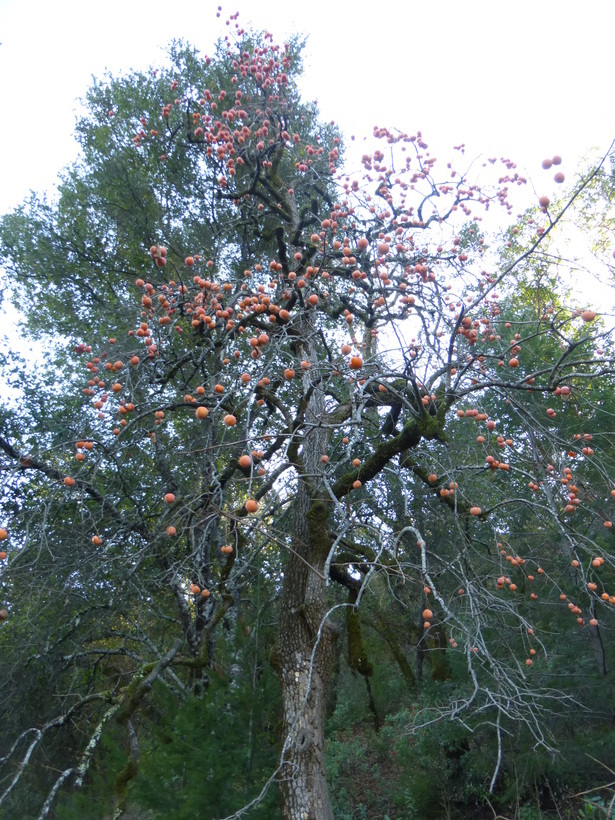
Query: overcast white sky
[(524, 80)]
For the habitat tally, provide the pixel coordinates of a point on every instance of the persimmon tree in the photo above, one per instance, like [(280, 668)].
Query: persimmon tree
[(288, 384)]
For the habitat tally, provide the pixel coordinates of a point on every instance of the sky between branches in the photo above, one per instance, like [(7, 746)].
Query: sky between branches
[(523, 81)]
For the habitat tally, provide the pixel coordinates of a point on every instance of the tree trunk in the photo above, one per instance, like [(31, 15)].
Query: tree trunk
[(306, 658), (306, 641), (304, 793)]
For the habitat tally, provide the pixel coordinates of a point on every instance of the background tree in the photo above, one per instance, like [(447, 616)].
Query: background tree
[(319, 407)]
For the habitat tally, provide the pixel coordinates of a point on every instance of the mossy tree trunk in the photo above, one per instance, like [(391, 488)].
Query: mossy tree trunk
[(306, 639)]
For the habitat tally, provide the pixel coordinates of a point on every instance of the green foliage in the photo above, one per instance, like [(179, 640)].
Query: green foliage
[(204, 756), (209, 757)]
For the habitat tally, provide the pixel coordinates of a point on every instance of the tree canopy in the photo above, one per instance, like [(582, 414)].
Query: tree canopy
[(315, 480)]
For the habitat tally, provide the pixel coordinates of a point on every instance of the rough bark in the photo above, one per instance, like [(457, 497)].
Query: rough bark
[(306, 641)]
